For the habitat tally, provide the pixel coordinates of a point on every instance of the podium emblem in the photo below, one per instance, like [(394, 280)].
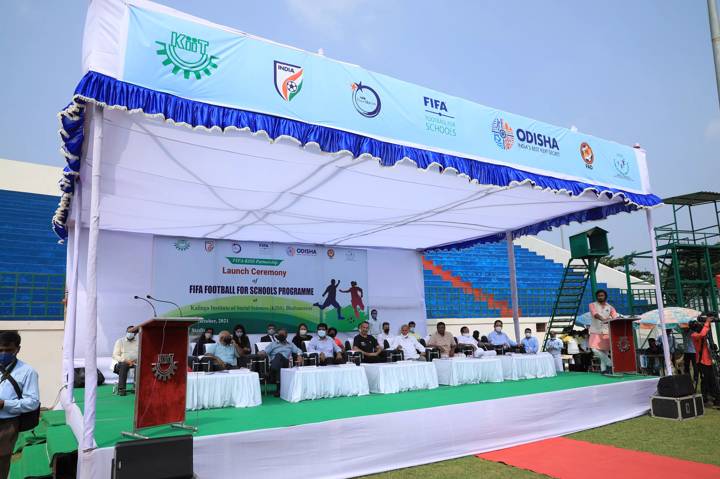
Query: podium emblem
[(165, 367), (623, 344)]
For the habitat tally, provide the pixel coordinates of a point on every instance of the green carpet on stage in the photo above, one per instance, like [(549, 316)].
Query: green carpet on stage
[(114, 414)]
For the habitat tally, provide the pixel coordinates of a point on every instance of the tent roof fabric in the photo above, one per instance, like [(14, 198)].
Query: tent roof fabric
[(428, 199)]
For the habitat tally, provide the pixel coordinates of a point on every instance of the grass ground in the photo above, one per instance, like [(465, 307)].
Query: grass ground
[(692, 440)]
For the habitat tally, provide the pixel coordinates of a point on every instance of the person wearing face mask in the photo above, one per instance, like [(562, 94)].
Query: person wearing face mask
[(332, 333), (301, 336), (270, 336), (385, 334), (442, 340), (205, 338), (124, 357), (466, 339), (279, 354), (530, 342), (241, 339), (225, 353), (412, 325), (554, 346), (498, 338), (11, 406), (410, 346), (327, 351)]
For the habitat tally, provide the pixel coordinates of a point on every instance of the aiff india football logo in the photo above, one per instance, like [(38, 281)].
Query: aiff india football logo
[(503, 134)]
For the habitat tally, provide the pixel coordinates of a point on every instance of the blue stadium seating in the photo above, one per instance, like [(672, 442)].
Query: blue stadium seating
[(32, 263), (485, 267)]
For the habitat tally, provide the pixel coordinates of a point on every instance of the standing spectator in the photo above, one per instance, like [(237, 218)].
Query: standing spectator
[(412, 325), (11, 406), (124, 357), (709, 385), (374, 323), (689, 355), (554, 347), (385, 335)]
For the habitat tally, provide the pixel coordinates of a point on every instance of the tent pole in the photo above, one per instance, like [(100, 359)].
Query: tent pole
[(71, 311), (513, 284), (658, 293), (88, 441)]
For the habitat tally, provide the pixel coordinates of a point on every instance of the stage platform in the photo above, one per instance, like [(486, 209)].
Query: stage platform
[(363, 435)]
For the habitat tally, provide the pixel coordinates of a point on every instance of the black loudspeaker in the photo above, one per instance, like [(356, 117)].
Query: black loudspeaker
[(677, 408), (79, 376), (675, 386), (161, 458)]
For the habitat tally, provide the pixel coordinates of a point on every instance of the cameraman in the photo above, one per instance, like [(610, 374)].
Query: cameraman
[(700, 330)]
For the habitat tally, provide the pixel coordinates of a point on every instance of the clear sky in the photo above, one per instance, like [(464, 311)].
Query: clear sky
[(630, 71)]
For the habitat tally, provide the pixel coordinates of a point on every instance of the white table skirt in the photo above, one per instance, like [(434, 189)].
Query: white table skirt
[(388, 378), (237, 388), (456, 371), (527, 366), (317, 382)]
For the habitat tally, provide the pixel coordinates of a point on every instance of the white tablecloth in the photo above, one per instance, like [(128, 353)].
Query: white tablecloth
[(456, 371), (236, 388), (527, 366), (317, 382), (388, 378)]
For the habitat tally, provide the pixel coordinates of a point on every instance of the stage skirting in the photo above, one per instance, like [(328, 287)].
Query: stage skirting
[(369, 444)]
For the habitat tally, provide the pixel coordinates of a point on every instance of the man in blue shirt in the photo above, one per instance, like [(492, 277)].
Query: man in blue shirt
[(530, 342), (327, 350), (224, 353), (10, 405), (498, 338), (279, 354)]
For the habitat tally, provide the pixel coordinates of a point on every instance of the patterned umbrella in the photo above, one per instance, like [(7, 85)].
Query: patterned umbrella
[(673, 316)]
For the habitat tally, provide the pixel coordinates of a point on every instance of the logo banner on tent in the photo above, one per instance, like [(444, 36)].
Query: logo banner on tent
[(208, 64), (232, 282)]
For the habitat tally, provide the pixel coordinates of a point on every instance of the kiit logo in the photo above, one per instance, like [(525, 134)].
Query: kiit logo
[(587, 155), (187, 54), (366, 100), (503, 134)]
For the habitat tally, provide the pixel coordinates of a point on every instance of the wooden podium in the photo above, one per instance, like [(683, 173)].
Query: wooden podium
[(622, 345), (161, 373)]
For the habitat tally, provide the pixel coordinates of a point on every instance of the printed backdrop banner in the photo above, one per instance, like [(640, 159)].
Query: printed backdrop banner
[(204, 62), (249, 283)]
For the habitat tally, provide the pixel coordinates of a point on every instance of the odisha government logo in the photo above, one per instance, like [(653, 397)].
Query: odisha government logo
[(503, 134), (165, 367), (587, 155), (366, 100), (187, 54), (209, 246), (623, 344), (331, 253), (288, 80), (622, 165)]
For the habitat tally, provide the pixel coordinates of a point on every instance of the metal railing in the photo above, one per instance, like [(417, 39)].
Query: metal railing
[(31, 296)]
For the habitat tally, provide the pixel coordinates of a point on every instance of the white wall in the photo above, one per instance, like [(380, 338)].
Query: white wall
[(29, 178)]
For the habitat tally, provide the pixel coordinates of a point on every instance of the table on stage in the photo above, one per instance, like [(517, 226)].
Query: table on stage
[(461, 370), (235, 388), (317, 382), (388, 378), (527, 366)]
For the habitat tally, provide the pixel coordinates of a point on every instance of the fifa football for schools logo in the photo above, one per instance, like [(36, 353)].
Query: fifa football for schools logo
[(187, 54), (288, 80)]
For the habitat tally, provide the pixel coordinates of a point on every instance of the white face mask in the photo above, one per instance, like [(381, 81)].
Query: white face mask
[(303, 332), (130, 336), (412, 330), (405, 335), (322, 333), (466, 335), (498, 329), (528, 335), (208, 335)]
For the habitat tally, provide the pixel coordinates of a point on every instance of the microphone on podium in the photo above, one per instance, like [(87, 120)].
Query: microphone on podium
[(148, 302), (168, 302)]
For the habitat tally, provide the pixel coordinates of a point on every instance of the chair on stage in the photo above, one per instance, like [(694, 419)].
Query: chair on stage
[(422, 341), (354, 357), (260, 365), (348, 346), (431, 353), (465, 349)]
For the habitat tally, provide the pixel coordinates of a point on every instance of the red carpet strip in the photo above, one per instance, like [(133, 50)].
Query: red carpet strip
[(570, 459)]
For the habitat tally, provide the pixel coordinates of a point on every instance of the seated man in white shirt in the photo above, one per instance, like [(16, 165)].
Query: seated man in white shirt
[(385, 335), (466, 339), (324, 346), (124, 357), (410, 346)]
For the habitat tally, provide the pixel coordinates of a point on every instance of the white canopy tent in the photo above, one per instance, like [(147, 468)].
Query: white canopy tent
[(163, 144)]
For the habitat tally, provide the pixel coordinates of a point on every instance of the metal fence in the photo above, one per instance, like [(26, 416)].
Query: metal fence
[(31, 296)]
